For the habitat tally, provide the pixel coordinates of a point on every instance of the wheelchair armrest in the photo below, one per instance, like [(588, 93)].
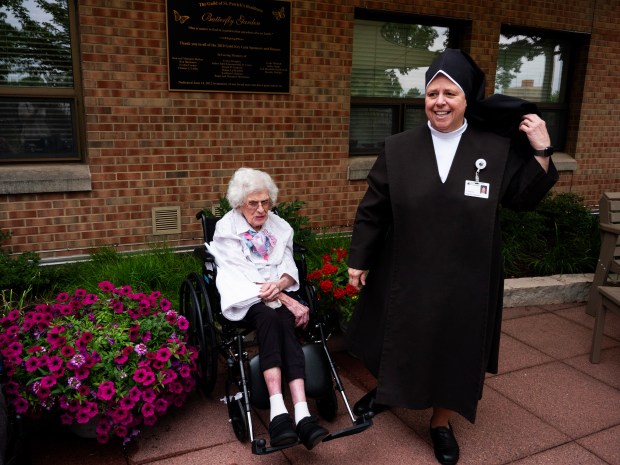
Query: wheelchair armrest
[(204, 255), (298, 248)]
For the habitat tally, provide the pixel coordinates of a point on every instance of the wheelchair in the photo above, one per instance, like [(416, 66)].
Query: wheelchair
[(245, 387)]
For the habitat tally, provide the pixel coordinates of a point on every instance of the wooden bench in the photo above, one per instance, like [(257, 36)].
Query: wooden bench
[(610, 300), (608, 264)]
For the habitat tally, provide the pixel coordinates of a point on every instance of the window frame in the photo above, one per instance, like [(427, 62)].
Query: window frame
[(563, 109), (458, 28), (73, 95)]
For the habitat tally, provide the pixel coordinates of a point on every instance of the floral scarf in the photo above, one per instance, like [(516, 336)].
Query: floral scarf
[(260, 243)]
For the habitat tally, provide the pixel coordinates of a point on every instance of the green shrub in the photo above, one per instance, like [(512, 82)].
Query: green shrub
[(159, 269), (561, 236)]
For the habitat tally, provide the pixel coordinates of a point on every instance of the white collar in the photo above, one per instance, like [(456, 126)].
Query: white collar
[(448, 135)]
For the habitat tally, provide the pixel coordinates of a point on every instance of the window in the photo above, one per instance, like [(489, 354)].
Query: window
[(391, 54), (535, 65), (39, 82)]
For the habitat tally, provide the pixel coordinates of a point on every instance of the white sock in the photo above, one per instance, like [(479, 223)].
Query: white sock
[(301, 411), (276, 403)]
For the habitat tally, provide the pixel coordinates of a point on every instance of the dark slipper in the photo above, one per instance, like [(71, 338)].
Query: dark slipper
[(310, 432), (282, 430)]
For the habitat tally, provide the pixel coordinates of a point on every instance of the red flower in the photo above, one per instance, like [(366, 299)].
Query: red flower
[(339, 293), (326, 285), (328, 269), (314, 275)]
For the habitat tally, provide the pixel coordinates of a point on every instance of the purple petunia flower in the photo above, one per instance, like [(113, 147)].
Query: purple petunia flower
[(106, 286), (171, 317), (21, 405), (82, 373), (43, 392), (121, 359), (80, 293), (32, 364), (182, 323), (82, 417), (106, 390), (135, 393), (161, 405), (126, 403), (67, 351), (148, 395), (148, 410), (48, 381), (139, 375), (163, 354), (13, 315), (149, 378), (185, 372), (169, 376), (54, 363), (165, 305)]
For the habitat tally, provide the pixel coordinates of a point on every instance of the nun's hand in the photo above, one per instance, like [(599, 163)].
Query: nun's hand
[(536, 131), (357, 278)]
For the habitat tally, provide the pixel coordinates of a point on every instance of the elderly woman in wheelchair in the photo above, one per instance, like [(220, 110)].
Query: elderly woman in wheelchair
[(257, 278)]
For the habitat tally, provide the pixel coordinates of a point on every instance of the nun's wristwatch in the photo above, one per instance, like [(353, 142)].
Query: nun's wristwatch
[(546, 152)]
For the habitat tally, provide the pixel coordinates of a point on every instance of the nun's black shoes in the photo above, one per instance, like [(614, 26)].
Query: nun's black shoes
[(282, 430), (310, 432), (445, 445), (368, 405)]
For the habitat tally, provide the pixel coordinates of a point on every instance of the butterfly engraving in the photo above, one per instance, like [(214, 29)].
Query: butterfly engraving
[(279, 14), (179, 18)]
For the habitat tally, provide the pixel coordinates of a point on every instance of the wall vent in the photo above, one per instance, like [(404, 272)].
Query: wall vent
[(166, 220)]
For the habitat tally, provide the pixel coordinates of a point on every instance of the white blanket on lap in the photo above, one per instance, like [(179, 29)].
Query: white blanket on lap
[(237, 293)]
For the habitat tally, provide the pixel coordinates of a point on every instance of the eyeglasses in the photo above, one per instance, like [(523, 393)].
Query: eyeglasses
[(253, 204)]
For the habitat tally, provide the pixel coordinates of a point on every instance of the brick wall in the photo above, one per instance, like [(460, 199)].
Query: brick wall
[(150, 147)]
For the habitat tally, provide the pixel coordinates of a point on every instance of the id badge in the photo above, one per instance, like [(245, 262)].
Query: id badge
[(477, 189)]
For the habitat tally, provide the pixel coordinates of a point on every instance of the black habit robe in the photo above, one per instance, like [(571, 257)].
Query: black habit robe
[(427, 324)]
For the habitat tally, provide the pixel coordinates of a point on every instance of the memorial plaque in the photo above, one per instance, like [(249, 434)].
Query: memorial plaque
[(229, 46)]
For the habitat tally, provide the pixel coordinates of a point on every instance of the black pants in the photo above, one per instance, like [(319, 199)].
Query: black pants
[(277, 342)]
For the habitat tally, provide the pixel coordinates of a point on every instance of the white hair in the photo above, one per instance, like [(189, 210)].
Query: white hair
[(247, 181)]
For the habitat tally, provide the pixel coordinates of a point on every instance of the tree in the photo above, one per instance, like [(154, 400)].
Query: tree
[(35, 48), (511, 57)]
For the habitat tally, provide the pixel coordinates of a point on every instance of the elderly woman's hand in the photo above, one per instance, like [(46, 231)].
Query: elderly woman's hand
[(300, 311), (269, 291), (357, 278)]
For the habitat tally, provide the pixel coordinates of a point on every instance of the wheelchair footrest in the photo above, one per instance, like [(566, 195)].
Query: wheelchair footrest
[(361, 424), (259, 447)]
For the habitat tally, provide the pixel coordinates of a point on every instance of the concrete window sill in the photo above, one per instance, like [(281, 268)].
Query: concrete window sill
[(44, 177)]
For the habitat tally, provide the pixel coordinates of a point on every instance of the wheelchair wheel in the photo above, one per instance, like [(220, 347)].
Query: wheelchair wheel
[(196, 308), (238, 419), (327, 406)]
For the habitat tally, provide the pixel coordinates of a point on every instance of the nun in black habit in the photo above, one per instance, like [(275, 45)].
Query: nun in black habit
[(426, 246)]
